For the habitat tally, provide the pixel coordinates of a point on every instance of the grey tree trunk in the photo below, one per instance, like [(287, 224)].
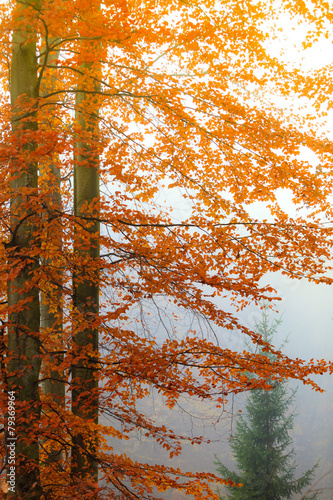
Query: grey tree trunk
[(23, 294), (85, 278)]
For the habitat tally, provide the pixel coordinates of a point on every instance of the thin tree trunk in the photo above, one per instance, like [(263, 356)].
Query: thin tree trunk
[(53, 384), (23, 294)]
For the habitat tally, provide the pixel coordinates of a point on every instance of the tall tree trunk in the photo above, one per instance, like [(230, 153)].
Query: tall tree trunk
[(53, 384), (23, 293), (85, 279)]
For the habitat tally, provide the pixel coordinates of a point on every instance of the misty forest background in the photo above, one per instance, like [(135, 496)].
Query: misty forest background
[(306, 314)]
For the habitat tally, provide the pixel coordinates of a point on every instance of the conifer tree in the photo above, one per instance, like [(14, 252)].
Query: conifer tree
[(262, 444)]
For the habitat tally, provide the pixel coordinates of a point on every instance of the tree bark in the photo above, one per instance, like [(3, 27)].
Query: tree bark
[(85, 278), (53, 384), (23, 293)]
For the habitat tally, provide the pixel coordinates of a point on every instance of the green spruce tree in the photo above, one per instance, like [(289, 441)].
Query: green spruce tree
[(262, 443)]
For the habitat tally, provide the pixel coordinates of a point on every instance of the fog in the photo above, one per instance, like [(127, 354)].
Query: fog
[(307, 322)]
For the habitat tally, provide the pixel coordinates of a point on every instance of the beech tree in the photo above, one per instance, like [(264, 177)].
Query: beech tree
[(23, 297), (86, 277), (109, 112)]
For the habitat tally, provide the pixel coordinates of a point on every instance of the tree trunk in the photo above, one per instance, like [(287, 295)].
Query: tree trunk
[(53, 384), (85, 278), (23, 293)]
